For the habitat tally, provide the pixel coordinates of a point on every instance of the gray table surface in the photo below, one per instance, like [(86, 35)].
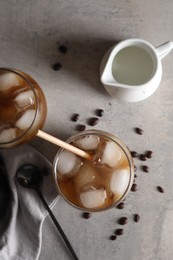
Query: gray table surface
[(30, 33)]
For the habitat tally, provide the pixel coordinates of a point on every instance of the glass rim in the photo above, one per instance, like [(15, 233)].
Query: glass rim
[(19, 73), (110, 137)]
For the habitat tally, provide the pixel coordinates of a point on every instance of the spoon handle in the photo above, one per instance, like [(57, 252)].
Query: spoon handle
[(57, 225)]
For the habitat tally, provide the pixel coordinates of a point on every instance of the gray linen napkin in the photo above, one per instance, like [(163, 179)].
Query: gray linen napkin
[(21, 227)]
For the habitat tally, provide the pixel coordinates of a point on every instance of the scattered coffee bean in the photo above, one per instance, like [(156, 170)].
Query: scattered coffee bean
[(145, 168), (136, 217), (81, 128), (135, 168), (75, 117), (57, 66), (160, 189), (62, 49), (119, 232), (134, 187), (139, 131), (93, 121), (121, 205), (123, 221), (135, 176), (149, 154), (86, 215), (100, 112), (142, 157), (113, 237), (134, 154)]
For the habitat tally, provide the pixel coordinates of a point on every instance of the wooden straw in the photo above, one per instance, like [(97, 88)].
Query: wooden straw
[(63, 144)]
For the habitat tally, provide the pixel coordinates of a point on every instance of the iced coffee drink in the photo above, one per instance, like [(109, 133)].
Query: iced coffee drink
[(22, 107), (99, 183)]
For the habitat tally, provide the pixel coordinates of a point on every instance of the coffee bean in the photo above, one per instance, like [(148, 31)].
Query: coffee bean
[(135, 168), (145, 168), (75, 117), (149, 154), (134, 154), (160, 189), (135, 176), (57, 66), (62, 49), (81, 128), (134, 187), (93, 121), (142, 157), (123, 221), (100, 112), (136, 217), (119, 232), (86, 215), (139, 131), (121, 205), (113, 237)]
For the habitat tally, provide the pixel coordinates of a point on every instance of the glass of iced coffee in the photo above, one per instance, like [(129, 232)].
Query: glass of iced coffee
[(22, 107), (99, 183)]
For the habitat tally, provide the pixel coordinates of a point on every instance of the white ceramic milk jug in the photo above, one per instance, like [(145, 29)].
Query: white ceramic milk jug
[(132, 70)]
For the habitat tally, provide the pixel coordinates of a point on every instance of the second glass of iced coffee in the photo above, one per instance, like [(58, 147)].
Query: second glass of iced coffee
[(22, 107)]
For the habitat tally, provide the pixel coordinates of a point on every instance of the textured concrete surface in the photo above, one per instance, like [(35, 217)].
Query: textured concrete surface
[(30, 33)]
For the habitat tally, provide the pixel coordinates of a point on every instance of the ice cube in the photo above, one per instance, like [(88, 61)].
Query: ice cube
[(26, 119), (119, 180), (25, 99), (108, 153), (93, 197), (68, 164), (86, 175), (8, 135), (89, 142), (9, 80)]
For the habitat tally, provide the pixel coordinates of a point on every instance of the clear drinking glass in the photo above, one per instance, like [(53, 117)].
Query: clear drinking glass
[(22, 107), (97, 184)]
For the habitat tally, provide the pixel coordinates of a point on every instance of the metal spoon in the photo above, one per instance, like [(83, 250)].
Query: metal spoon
[(29, 176)]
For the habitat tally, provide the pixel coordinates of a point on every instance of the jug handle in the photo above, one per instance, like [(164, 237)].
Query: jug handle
[(164, 49)]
